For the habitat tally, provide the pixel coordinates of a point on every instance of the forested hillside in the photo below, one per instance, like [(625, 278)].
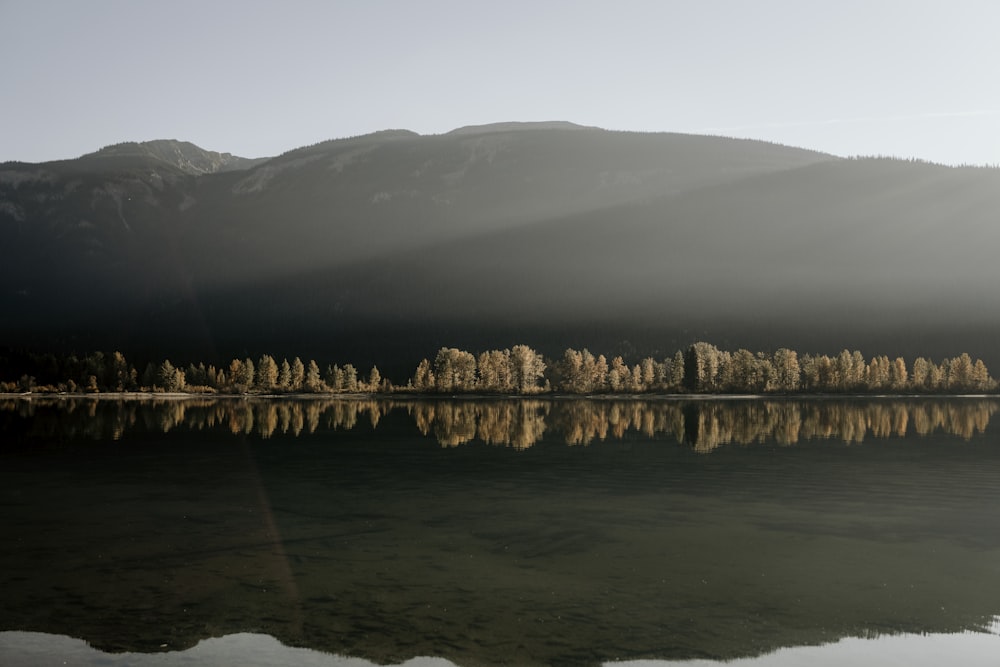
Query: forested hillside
[(377, 248)]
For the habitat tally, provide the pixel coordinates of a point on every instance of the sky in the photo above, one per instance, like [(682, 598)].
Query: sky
[(904, 78)]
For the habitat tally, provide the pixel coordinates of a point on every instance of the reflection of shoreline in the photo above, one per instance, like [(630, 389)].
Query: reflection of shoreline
[(971, 649), (235, 649), (561, 556), (471, 396), (702, 423)]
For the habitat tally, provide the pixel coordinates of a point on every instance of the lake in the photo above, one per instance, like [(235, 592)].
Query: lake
[(499, 531)]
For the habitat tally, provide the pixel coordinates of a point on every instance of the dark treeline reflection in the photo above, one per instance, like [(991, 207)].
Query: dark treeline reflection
[(516, 423)]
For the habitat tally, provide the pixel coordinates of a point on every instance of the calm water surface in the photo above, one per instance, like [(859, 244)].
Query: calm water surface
[(536, 532)]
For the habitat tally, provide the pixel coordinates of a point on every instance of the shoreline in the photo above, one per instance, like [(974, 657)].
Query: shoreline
[(404, 396)]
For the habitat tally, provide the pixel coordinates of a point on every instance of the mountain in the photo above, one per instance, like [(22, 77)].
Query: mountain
[(384, 247), (519, 125), (184, 155)]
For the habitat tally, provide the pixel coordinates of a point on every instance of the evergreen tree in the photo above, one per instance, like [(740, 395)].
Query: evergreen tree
[(249, 373), (596, 371), (196, 375), (635, 383), (330, 377), (284, 376), (267, 373), (123, 375), (241, 375), (350, 378), (677, 372), (938, 376), (898, 375), (170, 378), (960, 373), (313, 382), (374, 379), (981, 380), (423, 378), (618, 375), (877, 373), (647, 374), (298, 375)]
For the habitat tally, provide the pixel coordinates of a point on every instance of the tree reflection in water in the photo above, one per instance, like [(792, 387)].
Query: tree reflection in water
[(519, 423), (365, 540)]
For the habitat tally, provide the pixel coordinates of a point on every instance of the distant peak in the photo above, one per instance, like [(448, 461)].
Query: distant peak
[(184, 155), (145, 147), (516, 126)]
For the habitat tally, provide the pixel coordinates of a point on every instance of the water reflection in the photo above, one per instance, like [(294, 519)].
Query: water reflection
[(964, 648), (704, 424), (244, 649), (342, 526), (255, 650)]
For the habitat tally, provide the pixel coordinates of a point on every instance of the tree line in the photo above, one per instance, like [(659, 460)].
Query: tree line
[(702, 368), (99, 372)]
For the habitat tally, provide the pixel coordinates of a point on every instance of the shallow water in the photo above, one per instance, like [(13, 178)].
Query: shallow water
[(500, 532)]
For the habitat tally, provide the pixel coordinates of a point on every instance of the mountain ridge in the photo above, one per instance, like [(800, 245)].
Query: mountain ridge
[(494, 235), (508, 126), (184, 155)]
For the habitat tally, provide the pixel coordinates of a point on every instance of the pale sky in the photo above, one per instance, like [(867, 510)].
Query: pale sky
[(907, 78)]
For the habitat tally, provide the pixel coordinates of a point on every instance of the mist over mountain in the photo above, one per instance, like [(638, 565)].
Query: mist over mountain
[(382, 248)]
